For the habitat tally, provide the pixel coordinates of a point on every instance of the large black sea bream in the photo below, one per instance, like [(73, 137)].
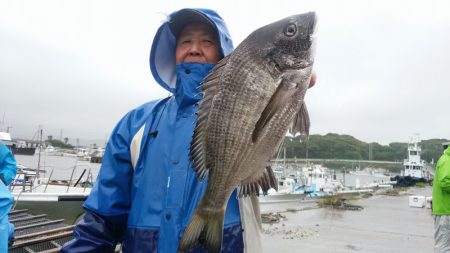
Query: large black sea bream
[(251, 98)]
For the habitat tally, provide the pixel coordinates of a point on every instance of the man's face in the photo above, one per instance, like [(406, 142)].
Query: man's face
[(197, 43)]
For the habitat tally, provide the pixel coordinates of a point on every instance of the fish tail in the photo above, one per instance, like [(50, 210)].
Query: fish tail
[(205, 231)]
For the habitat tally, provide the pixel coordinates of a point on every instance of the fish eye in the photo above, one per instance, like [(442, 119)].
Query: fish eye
[(290, 30)]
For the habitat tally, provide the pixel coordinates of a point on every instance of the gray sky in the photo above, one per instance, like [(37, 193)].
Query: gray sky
[(79, 66)]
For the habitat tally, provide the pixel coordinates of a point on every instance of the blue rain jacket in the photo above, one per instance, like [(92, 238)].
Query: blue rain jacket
[(7, 173), (147, 191), (8, 166)]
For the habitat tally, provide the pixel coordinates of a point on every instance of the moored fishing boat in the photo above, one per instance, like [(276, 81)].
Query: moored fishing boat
[(59, 199)]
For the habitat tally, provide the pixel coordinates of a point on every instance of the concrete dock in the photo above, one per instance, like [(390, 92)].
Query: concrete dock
[(386, 224)]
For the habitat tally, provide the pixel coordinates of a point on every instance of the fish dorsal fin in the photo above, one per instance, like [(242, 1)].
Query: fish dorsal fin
[(284, 91), (265, 181), (209, 88), (301, 122)]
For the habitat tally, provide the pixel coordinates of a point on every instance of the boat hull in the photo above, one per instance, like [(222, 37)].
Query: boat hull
[(70, 211), (281, 198), (285, 201), (59, 202), (23, 151)]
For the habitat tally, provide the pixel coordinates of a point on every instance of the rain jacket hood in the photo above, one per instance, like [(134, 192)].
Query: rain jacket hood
[(447, 152), (162, 54)]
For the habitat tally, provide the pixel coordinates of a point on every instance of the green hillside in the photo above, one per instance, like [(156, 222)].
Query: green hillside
[(335, 146)]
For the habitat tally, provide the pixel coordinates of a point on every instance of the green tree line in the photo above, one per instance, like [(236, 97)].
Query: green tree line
[(335, 146), (59, 144)]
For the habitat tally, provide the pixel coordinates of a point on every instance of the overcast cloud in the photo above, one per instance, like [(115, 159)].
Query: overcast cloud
[(77, 67)]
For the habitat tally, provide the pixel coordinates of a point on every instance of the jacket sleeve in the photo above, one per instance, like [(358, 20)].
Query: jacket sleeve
[(96, 233), (108, 204), (8, 166)]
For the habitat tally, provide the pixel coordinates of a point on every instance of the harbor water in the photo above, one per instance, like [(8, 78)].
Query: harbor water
[(62, 166)]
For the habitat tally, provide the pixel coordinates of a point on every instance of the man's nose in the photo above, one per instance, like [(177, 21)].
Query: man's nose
[(195, 49)]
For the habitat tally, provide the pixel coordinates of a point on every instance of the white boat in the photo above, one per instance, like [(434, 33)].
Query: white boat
[(414, 166), (287, 197), (286, 192), (17, 146), (320, 180), (308, 183), (57, 198)]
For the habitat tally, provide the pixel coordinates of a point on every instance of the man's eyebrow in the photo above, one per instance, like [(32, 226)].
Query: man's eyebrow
[(209, 35)]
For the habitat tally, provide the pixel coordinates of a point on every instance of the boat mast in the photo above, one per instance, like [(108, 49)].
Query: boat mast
[(3, 122), (284, 158), (40, 148)]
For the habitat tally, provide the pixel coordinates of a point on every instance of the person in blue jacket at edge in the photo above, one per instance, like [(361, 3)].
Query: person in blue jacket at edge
[(8, 170), (146, 191)]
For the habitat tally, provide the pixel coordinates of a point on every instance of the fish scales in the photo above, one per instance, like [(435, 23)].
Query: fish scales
[(233, 107), (229, 150), (250, 99)]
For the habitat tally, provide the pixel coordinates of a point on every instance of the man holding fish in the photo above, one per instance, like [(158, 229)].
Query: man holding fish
[(148, 188)]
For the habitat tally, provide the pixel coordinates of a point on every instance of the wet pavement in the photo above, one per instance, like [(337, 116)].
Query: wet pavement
[(386, 224)]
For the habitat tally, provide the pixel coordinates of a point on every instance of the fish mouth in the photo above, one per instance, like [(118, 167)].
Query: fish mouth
[(299, 65), (304, 64), (312, 29), (312, 23)]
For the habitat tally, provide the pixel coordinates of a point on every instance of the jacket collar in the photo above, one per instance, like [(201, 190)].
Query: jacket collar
[(189, 76)]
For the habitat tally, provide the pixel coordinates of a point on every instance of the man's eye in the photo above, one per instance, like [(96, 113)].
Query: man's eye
[(184, 42), (208, 42)]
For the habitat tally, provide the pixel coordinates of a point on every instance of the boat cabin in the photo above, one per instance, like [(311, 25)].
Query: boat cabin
[(414, 166)]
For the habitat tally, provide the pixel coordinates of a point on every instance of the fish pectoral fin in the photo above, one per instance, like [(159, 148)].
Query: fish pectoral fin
[(301, 122), (197, 155), (268, 180), (264, 182), (248, 189), (278, 100)]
